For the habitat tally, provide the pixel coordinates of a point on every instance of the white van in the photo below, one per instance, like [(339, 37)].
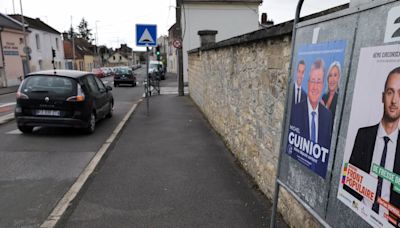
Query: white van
[(157, 67)]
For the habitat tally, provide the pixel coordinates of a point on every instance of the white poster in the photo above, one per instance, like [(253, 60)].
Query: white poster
[(370, 181)]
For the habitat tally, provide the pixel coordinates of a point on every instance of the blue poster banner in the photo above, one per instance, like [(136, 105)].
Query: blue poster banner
[(316, 75)]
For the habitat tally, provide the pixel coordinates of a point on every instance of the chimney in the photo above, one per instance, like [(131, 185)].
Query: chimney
[(207, 37), (264, 20), (65, 36)]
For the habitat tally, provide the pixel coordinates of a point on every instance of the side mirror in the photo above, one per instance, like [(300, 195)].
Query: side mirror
[(108, 88)]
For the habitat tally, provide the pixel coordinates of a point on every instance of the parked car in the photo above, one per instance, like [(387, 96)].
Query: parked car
[(156, 68), (99, 72), (107, 71), (62, 98), (124, 75)]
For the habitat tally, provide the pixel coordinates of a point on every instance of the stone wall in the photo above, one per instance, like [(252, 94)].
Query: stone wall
[(241, 89)]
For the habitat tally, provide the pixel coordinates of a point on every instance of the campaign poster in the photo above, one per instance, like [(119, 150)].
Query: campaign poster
[(317, 71), (370, 180)]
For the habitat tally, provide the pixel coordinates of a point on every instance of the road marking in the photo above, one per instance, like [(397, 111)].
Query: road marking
[(63, 204), (14, 132), (6, 118)]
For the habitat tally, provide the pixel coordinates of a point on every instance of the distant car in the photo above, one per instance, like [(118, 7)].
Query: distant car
[(124, 75), (156, 68), (62, 98), (106, 71), (99, 72)]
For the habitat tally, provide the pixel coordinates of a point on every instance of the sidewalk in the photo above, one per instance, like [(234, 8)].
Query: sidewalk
[(10, 89), (169, 169)]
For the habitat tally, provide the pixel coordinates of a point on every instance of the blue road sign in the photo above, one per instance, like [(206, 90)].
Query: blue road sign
[(146, 35)]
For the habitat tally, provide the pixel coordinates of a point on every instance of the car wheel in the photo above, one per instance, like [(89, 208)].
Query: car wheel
[(91, 124), (110, 111), (25, 129), (115, 84), (134, 84)]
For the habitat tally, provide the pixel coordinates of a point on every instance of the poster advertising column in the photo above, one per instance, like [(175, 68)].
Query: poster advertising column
[(317, 75), (370, 181)]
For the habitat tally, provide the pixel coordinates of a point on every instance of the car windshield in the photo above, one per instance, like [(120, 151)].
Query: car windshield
[(153, 65), (49, 84), (124, 71)]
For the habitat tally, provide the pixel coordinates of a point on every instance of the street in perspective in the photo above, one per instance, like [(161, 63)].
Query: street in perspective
[(200, 113)]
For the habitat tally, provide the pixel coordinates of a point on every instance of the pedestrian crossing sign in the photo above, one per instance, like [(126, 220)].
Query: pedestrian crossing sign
[(146, 35)]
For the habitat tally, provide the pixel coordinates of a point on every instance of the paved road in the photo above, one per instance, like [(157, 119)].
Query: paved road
[(37, 169)]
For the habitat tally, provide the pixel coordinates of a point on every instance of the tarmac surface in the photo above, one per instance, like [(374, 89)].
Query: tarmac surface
[(169, 169)]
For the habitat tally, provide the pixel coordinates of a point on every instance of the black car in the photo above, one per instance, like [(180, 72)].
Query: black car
[(124, 75), (62, 98)]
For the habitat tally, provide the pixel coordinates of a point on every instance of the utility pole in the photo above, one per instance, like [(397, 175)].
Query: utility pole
[(26, 48), (180, 53), (148, 82)]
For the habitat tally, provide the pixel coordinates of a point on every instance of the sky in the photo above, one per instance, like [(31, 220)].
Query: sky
[(114, 21)]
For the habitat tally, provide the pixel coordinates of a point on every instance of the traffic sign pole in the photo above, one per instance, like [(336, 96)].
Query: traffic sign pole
[(148, 82), (146, 36)]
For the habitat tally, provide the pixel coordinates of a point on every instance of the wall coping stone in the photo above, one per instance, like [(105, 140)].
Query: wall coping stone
[(284, 28)]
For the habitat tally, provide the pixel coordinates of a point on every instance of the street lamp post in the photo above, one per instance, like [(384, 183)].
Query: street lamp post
[(97, 48)]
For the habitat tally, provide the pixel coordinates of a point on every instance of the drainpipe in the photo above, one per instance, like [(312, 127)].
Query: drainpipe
[(4, 83)]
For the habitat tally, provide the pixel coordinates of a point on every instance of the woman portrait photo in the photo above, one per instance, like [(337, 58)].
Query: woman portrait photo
[(330, 97)]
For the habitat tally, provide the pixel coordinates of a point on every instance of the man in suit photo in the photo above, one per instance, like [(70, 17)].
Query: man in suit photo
[(379, 144), (313, 119), (298, 91)]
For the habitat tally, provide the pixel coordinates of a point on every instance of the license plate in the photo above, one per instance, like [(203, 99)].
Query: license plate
[(48, 112)]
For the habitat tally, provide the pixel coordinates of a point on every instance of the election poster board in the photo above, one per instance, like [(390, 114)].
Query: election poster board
[(318, 70), (370, 180)]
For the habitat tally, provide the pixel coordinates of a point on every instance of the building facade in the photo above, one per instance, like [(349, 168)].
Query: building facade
[(172, 52), (117, 59), (13, 61), (42, 40), (125, 52), (229, 18)]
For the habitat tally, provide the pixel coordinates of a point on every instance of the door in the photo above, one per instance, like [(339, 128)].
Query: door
[(99, 96), (104, 96)]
